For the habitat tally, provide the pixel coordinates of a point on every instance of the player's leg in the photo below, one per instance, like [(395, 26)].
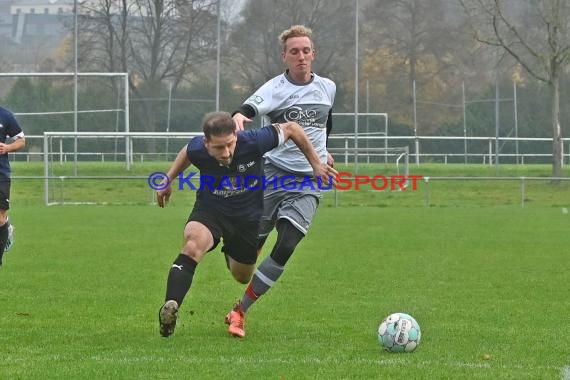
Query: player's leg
[(240, 248), (4, 232), (4, 224), (272, 198), (198, 239), (11, 235), (294, 218), (241, 272), (270, 269)]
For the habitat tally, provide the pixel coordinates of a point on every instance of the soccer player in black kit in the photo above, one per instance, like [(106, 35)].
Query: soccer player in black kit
[(9, 128), (225, 207)]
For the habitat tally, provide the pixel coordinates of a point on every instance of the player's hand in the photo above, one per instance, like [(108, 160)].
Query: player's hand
[(3, 148), (326, 173), (330, 160), (163, 196), (240, 120)]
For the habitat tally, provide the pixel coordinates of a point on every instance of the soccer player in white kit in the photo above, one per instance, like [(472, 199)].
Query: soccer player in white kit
[(302, 96)]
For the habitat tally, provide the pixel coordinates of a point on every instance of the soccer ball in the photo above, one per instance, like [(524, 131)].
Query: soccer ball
[(399, 332)]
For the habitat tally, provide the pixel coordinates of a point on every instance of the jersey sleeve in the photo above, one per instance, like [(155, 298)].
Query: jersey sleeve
[(194, 145), (261, 100), (13, 128), (267, 138), (332, 91)]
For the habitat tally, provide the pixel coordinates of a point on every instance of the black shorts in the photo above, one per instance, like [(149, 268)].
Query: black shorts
[(4, 194), (239, 237)]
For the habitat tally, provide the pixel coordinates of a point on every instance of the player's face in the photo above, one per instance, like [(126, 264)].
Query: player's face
[(222, 147), (298, 57)]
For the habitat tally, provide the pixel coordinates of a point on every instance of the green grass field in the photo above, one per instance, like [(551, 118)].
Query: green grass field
[(120, 186), (80, 290)]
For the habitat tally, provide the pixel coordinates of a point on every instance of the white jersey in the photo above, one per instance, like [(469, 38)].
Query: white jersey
[(281, 100)]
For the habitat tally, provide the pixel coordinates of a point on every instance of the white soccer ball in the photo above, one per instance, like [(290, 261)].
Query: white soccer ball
[(399, 332)]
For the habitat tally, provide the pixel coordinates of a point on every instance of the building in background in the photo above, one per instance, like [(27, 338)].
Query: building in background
[(38, 18), (32, 31)]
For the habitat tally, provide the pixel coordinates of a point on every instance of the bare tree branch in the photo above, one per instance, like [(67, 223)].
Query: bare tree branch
[(514, 31), (506, 46)]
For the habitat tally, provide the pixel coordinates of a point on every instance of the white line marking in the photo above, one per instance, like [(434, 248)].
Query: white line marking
[(565, 373), (396, 361)]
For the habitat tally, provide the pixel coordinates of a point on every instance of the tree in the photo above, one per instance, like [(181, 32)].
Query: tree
[(537, 35), (156, 41), (255, 49), (415, 42)]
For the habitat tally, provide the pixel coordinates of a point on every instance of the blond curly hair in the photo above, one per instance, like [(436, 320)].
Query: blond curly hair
[(295, 31)]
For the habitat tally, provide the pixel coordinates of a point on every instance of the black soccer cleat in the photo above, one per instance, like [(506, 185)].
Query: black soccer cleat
[(167, 316)]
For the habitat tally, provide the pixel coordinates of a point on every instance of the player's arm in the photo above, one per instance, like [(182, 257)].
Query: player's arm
[(243, 115), (295, 132), (259, 103), (329, 125), (330, 159), (180, 163), (18, 143)]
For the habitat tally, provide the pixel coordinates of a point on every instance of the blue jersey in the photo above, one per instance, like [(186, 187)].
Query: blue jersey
[(236, 190), (9, 128)]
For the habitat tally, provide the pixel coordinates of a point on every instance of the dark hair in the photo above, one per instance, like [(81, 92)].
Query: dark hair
[(218, 124)]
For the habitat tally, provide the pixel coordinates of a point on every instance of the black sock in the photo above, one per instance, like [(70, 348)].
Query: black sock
[(180, 278), (3, 238)]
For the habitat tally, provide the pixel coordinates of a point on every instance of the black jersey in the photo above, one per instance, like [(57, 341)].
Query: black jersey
[(236, 190), (9, 127)]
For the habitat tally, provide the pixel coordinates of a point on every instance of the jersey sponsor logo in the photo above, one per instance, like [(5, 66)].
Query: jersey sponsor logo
[(232, 186), (243, 167), (318, 95), (297, 113), (255, 99), (294, 96)]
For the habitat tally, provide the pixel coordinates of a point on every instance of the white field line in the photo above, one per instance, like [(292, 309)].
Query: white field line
[(484, 365), (565, 373)]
